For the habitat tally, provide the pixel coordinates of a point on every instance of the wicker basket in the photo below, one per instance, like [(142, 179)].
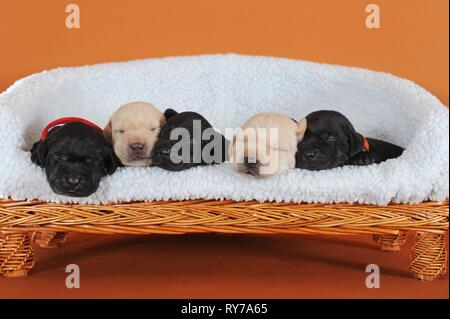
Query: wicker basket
[(25, 223)]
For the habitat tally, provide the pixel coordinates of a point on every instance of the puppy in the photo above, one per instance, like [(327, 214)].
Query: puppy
[(331, 141), (75, 157), (267, 145), (187, 140), (133, 130)]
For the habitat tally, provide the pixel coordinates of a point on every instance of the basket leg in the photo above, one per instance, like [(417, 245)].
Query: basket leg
[(390, 242), (16, 255), (429, 256), (50, 240)]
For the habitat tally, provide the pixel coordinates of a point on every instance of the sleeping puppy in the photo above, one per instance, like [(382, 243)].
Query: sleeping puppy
[(133, 130), (266, 145), (331, 141), (75, 157), (187, 140)]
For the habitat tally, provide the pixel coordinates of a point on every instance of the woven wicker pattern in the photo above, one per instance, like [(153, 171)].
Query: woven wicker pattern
[(16, 255), (390, 242), (49, 239), (429, 256), (50, 222), (222, 216)]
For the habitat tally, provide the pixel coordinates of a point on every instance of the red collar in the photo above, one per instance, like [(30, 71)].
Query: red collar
[(66, 120), (365, 143)]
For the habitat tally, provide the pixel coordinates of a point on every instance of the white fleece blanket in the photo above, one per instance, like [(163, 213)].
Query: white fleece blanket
[(228, 89)]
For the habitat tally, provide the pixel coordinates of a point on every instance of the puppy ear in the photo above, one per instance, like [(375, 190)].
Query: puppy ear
[(355, 142), (107, 132), (111, 161), (169, 113), (39, 153), (301, 128), (162, 121)]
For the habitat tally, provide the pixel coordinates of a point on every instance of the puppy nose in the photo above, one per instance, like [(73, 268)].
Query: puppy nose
[(165, 152), (73, 180), (310, 154), (250, 162), (137, 147)]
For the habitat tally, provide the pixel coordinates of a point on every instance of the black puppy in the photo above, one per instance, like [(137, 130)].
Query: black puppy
[(187, 140), (331, 141), (75, 157)]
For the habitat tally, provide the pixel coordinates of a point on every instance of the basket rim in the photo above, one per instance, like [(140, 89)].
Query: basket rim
[(200, 216)]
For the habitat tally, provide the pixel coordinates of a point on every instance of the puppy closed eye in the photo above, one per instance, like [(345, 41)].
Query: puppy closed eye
[(329, 137), (119, 131), (60, 158), (154, 129), (278, 148), (90, 160)]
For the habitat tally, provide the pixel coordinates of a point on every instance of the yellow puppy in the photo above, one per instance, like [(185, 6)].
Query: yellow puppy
[(133, 131), (266, 145)]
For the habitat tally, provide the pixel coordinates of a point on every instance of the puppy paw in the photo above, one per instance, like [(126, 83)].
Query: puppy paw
[(362, 159)]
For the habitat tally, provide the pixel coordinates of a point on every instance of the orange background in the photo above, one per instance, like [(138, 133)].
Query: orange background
[(222, 266), (412, 43)]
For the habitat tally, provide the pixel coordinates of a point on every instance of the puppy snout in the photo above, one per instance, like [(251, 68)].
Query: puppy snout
[(73, 180), (165, 152), (251, 163), (310, 154), (137, 147)]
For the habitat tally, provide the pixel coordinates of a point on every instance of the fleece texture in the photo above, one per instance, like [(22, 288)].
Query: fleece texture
[(227, 90)]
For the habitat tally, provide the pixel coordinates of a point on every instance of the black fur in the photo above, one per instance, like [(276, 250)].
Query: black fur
[(75, 157), (161, 154), (331, 141)]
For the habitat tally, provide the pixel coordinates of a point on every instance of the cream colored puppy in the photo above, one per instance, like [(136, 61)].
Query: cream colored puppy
[(133, 131), (266, 145)]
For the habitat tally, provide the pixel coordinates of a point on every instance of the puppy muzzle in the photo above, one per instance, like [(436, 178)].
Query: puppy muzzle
[(74, 183)]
